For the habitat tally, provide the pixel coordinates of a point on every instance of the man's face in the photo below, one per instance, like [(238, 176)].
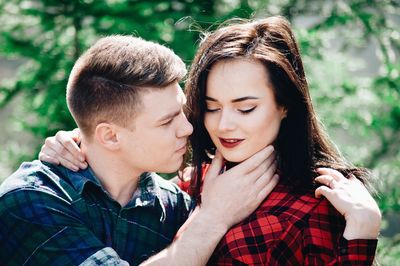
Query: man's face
[(155, 140)]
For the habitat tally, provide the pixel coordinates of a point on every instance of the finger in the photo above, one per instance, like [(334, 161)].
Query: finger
[(326, 180), (67, 141), (63, 160), (47, 151), (323, 191), (272, 168), (270, 161), (49, 155), (266, 176), (50, 142), (254, 161), (66, 155), (76, 135), (266, 190), (267, 166), (187, 173), (352, 177), (45, 158), (216, 166), (68, 164), (332, 172)]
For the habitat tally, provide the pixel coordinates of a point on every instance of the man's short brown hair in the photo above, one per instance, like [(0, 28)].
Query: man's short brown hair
[(105, 82)]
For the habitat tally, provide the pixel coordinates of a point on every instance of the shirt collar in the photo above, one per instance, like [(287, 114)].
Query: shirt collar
[(79, 179), (147, 194)]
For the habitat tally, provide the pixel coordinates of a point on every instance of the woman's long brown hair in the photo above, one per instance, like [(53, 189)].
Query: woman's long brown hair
[(302, 145)]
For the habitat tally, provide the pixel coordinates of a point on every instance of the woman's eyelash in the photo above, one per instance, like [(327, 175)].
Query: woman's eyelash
[(247, 110), (209, 110)]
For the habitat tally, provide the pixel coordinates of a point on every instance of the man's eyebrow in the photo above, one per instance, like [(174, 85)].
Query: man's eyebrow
[(241, 99), (169, 116)]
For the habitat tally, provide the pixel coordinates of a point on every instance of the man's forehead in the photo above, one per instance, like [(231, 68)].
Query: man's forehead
[(160, 102)]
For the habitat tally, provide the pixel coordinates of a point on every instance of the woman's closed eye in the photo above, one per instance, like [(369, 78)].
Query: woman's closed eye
[(242, 111), (246, 111), (212, 110)]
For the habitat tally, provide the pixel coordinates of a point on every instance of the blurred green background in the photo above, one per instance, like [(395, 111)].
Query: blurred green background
[(351, 51)]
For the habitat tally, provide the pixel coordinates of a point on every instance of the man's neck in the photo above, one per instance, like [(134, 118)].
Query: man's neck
[(118, 179)]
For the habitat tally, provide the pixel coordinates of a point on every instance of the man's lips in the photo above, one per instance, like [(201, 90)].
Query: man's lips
[(182, 149), (230, 143)]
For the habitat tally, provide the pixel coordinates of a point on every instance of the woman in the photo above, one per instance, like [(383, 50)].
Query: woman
[(247, 89)]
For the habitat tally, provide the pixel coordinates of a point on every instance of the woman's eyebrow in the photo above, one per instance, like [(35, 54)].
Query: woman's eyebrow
[(211, 99), (241, 99)]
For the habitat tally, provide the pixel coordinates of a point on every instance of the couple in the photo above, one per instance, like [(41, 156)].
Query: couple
[(246, 90)]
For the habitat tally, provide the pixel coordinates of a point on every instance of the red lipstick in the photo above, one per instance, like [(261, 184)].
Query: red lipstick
[(230, 143)]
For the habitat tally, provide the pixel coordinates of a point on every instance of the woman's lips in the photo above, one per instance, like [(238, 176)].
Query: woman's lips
[(230, 143)]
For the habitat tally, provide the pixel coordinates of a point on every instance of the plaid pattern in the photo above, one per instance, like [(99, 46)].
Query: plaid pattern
[(52, 216), (104, 257), (290, 229)]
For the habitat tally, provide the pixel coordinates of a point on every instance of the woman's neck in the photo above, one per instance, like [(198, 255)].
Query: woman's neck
[(229, 165)]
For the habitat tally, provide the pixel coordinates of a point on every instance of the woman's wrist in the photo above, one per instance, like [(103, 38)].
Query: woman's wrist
[(363, 225)]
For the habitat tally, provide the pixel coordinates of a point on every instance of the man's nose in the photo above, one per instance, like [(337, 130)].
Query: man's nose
[(185, 128)]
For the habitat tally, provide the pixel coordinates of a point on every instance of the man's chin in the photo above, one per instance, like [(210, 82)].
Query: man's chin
[(171, 168)]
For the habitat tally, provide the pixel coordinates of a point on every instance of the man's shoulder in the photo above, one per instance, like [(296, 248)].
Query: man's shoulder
[(35, 192), (34, 178)]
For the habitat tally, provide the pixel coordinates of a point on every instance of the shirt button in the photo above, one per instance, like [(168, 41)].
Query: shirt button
[(343, 251)]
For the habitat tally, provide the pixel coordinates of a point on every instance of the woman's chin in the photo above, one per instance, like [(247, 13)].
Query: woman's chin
[(238, 157), (234, 159)]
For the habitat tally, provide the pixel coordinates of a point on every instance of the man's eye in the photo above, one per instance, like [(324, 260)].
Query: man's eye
[(167, 123), (246, 111)]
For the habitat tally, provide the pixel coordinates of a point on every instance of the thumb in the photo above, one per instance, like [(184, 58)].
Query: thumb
[(216, 165)]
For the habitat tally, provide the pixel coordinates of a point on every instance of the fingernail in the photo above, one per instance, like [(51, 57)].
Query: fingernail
[(272, 147)]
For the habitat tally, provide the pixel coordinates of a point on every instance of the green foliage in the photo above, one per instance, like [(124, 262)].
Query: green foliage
[(389, 251), (357, 100)]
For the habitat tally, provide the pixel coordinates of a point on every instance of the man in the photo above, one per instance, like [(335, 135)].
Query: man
[(124, 95)]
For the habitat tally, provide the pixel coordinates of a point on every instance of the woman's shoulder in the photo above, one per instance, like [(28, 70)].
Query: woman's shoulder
[(285, 202)]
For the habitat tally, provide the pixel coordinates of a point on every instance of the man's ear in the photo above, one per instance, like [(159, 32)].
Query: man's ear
[(106, 134)]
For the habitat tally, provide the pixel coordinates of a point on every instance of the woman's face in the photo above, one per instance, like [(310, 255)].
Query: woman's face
[(242, 116)]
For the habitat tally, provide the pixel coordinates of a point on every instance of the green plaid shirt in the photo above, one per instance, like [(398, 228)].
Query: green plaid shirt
[(50, 215)]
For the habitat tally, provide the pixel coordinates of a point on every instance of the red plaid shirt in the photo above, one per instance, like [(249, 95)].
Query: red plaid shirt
[(292, 229)]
